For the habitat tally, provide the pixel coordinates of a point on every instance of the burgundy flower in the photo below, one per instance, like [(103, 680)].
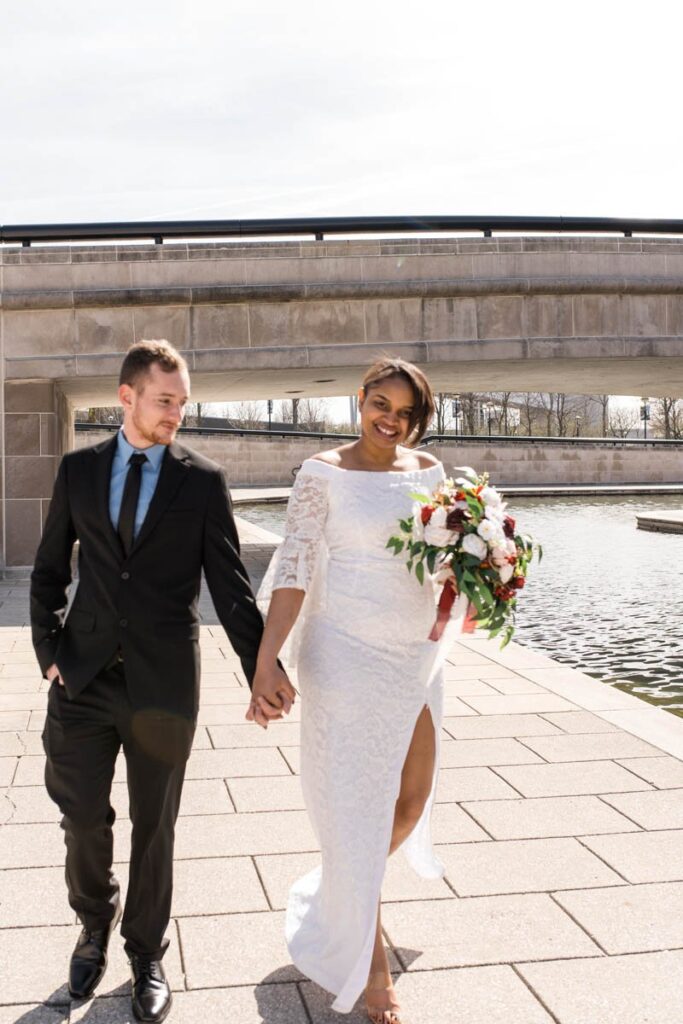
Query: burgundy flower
[(509, 527), (456, 519), (518, 582), (426, 514)]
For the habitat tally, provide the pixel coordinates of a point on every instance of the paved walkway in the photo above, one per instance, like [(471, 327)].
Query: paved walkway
[(559, 819)]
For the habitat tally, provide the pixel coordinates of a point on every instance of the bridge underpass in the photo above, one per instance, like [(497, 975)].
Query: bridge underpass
[(588, 315)]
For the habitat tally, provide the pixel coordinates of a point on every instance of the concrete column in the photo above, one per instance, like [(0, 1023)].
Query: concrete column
[(38, 429)]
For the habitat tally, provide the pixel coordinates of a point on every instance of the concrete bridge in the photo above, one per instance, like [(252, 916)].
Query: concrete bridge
[(270, 320)]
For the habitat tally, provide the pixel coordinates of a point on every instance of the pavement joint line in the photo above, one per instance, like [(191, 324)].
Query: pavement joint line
[(230, 797), (307, 1012), (261, 882), (606, 862), (535, 994), (502, 777), (551, 895), (641, 828)]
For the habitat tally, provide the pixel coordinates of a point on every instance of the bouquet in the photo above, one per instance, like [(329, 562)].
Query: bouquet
[(462, 536)]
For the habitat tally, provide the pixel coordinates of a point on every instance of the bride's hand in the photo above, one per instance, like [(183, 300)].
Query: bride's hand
[(272, 695)]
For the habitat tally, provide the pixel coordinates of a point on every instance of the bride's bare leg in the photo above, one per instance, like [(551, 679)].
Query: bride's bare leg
[(416, 785)]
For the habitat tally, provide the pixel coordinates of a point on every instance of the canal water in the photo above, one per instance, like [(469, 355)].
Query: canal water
[(606, 599)]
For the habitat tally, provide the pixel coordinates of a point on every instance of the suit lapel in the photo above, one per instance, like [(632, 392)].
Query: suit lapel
[(104, 457), (173, 471)]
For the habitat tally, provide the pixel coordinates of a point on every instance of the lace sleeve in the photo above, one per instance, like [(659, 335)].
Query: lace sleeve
[(306, 514)]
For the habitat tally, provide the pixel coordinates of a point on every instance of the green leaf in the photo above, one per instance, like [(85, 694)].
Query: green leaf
[(431, 559), (420, 572), (423, 498)]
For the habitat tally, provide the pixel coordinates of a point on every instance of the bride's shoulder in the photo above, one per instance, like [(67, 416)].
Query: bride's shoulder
[(426, 460), (331, 457)]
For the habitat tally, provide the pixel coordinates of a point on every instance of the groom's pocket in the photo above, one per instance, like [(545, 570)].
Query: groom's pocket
[(178, 630)]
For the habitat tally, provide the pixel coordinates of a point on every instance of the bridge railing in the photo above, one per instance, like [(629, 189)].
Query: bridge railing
[(318, 227), (512, 439)]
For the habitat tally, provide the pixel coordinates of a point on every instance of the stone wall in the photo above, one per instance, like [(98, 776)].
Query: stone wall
[(269, 461)]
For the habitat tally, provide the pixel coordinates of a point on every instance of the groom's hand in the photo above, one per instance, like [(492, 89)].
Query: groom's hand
[(53, 673), (272, 695)]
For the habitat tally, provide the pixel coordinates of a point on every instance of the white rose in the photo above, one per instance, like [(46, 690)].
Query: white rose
[(435, 531), (487, 530), (490, 496), (474, 545), (418, 527), (493, 513), (510, 546), (505, 572)]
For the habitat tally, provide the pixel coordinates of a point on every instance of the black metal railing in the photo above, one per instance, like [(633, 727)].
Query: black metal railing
[(608, 442), (319, 227)]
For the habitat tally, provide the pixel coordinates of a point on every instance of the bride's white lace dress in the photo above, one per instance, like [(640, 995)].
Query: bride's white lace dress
[(365, 670)]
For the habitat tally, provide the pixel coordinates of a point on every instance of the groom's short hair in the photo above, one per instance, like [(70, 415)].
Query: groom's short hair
[(144, 354)]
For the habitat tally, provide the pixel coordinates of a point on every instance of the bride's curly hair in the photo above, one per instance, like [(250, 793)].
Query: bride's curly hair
[(423, 407)]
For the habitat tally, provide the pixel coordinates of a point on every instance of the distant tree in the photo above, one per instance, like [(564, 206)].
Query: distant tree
[(249, 415), (667, 417), (623, 421)]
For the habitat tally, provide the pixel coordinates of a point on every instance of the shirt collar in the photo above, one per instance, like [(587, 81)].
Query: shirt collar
[(155, 453)]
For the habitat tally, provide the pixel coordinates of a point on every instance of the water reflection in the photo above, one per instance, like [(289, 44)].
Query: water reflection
[(607, 598)]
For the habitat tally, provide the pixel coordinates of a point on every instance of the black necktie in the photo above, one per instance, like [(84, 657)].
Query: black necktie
[(129, 502)]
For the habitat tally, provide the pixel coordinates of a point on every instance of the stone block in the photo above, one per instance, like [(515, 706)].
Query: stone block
[(571, 779), (19, 907), (22, 434), (31, 805), (579, 722), (8, 766), (644, 315), (29, 476), (642, 856), (23, 519), (548, 316), (533, 703), (39, 333), (215, 885), (498, 726), (500, 316), (456, 933), (49, 434), (337, 322), (283, 734), (661, 772), (392, 320), (482, 752), (629, 919), (275, 1003), (589, 747), (29, 396), (235, 949), (450, 824), (457, 784), (651, 810), (270, 794), (224, 764), (532, 865), (103, 330), (34, 1013), (171, 323), (640, 988), (233, 835), (546, 817), (597, 315), (221, 326)]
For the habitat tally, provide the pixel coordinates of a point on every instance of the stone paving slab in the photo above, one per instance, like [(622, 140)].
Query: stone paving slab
[(541, 872), (475, 995), (571, 778), (642, 856), (629, 919), (517, 866), (482, 930), (639, 989), (545, 817)]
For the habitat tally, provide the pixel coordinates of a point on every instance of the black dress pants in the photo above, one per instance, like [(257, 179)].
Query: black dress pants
[(82, 739)]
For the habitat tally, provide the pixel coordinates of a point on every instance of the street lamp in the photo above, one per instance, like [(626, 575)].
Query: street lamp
[(455, 409), (578, 426), (644, 414), (489, 411), (270, 413)]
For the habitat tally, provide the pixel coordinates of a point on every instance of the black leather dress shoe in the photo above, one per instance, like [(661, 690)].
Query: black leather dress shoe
[(151, 992), (89, 959)]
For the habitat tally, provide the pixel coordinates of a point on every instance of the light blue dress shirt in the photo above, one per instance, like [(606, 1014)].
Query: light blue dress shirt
[(148, 483)]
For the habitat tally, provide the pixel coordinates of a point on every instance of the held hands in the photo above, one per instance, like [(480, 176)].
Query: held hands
[(54, 673), (272, 695)]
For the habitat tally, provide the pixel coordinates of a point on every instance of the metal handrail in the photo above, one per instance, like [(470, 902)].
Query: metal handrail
[(160, 230), (647, 442)]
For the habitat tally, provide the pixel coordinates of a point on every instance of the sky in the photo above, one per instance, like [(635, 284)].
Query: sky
[(219, 108)]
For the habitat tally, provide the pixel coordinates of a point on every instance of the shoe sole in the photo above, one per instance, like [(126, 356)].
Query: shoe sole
[(83, 997)]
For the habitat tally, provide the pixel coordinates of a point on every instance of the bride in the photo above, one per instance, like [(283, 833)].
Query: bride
[(371, 689)]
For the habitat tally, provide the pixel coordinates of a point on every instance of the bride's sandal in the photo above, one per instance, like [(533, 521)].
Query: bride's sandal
[(388, 1011)]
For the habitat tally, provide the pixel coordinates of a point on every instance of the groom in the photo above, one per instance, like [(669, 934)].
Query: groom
[(123, 665)]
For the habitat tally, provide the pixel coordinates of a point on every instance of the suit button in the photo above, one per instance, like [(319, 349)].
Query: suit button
[(123, 623), (125, 575)]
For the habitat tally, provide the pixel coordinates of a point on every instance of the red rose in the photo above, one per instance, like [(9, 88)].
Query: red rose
[(509, 527), (426, 514), (518, 582)]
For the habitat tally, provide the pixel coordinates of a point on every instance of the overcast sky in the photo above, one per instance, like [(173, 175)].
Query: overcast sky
[(219, 108), (232, 109)]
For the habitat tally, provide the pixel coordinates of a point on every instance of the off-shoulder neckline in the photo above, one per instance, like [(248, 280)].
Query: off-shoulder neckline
[(374, 472)]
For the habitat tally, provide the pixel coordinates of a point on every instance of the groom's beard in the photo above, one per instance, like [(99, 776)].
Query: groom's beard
[(162, 433)]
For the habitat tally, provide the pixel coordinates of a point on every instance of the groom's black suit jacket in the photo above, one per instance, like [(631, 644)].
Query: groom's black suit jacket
[(146, 603)]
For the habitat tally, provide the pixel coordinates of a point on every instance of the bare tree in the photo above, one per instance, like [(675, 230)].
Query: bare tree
[(442, 405), (470, 406), (501, 403), (562, 414), (622, 421), (667, 418), (249, 415), (603, 402), (547, 401)]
